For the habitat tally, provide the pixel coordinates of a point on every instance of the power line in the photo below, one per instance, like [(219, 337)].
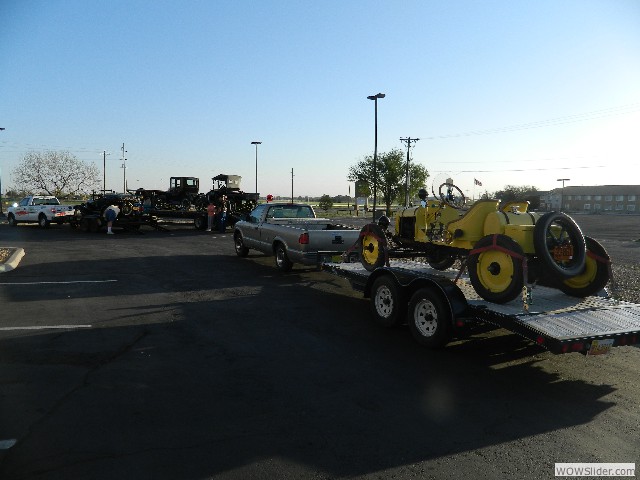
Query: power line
[(580, 117)]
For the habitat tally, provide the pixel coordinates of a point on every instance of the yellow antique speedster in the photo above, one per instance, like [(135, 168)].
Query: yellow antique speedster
[(503, 247)]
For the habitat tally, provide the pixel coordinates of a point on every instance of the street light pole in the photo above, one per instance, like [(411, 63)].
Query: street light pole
[(375, 151), (256, 144), (1, 212), (562, 191)]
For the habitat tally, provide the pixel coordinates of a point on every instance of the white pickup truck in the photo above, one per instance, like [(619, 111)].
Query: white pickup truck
[(40, 209), (292, 233)]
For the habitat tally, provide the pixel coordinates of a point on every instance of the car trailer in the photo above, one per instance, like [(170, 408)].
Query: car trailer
[(436, 304)]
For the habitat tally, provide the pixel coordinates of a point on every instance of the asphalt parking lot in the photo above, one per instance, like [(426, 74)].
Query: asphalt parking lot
[(162, 355)]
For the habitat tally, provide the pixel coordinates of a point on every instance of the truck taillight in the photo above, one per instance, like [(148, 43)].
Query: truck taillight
[(304, 238)]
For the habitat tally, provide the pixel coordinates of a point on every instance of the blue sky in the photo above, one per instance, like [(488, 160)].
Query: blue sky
[(508, 92)]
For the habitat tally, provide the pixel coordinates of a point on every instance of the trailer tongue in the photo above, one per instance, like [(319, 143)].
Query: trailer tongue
[(546, 316)]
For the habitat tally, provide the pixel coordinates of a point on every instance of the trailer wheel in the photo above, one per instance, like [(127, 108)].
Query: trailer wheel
[(496, 275), (42, 221), (595, 275), (241, 250), (388, 302), (373, 247), (429, 319), (560, 243), (282, 260)]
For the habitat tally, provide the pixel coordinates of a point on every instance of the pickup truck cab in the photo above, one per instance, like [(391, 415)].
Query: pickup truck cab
[(292, 233), (40, 209)]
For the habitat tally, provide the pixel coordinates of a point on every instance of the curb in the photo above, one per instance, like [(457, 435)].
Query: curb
[(13, 260)]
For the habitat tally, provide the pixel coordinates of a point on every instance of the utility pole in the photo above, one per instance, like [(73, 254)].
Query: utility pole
[(409, 141), (292, 185), (104, 171), (124, 170)]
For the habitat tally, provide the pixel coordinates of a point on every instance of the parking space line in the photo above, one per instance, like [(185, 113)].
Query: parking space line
[(44, 327), (62, 283)]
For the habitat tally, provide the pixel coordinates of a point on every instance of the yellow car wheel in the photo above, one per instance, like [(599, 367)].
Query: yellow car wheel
[(495, 268), (373, 247), (595, 275)]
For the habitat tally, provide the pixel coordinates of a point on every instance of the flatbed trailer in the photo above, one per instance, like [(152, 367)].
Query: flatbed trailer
[(436, 304), (198, 217)]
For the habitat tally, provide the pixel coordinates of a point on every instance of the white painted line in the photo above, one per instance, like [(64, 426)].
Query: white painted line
[(62, 283), (44, 327), (7, 444)]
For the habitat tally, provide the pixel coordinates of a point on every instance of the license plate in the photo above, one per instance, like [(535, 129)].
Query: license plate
[(600, 347)]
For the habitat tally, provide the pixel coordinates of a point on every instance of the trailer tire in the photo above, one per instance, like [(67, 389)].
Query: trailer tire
[(282, 260), (429, 318), (373, 247), (546, 240), (497, 276), (388, 302), (595, 275)]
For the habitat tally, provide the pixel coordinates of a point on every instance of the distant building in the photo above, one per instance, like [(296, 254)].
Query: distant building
[(594, 199)]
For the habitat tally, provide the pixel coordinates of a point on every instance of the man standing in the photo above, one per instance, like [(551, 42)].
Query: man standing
[(222, 214), (211, 214)]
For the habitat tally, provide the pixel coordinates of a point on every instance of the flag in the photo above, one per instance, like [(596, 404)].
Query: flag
[(477, 182)]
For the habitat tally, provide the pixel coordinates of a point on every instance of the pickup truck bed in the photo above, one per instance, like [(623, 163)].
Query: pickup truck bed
[(292, 233)]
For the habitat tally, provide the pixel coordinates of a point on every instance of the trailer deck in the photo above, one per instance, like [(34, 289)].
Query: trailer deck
[(546, 316)]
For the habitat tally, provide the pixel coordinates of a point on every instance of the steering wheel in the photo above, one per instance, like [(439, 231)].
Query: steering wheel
[(452, 196)]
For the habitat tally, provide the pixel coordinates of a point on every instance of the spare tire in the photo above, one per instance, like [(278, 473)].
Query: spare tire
[(559, 242)]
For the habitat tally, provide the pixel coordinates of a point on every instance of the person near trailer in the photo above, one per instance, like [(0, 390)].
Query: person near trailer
[(110, 215), (211, 215), (222, 214)]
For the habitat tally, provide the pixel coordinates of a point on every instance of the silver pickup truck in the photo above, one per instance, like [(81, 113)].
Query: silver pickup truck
[(292, 233)]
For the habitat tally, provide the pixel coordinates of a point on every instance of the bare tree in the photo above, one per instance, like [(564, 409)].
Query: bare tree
[(55, 173)]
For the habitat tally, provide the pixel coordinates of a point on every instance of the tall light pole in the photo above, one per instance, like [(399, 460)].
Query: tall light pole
[(562, 191), (1, 212), (256, 144), (104, 171), (375, 151)]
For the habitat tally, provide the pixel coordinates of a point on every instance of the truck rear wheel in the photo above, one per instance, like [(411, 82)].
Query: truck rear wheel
[(282, 260), (43, 221), (429, 319), (388, 302)]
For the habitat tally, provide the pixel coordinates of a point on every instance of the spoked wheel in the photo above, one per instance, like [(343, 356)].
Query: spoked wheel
[(200, 222), (451, 195), (388, 303), (429, 319), (374, 245), (595, 275), (559, 243), (495, 268), (127, 208)]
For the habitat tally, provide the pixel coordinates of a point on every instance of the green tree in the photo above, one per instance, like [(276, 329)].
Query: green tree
[(524, 192), (390, 176), (325, 202), (55, 173)]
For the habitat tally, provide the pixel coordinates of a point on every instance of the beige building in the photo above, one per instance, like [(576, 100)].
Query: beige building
[(593, 199)]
